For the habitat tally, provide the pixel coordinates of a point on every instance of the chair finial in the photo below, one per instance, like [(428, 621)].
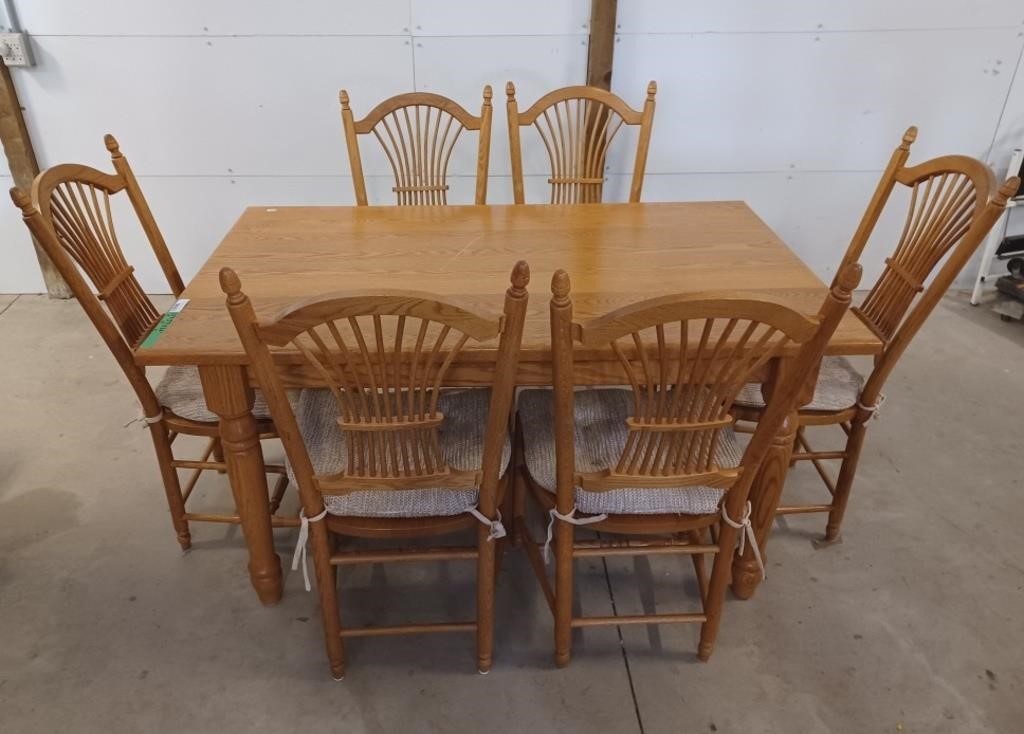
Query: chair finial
[(652, 89), (1008, 190), (510, 91), (112, 145), (848, 279), (231, 285), (21, 200), (909, 137), (560, 285), (520, 275), (488, 94), (343, 98)]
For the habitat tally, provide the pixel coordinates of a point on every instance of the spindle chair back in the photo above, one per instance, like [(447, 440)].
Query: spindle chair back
[(577, 126), (685, 357), (954, 202), (418, 132), (384, 357), (70, 214)]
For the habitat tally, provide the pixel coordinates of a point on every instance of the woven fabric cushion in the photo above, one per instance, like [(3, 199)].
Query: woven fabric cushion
[(181, 392), (600, 437), (462, 445), (838, 388)]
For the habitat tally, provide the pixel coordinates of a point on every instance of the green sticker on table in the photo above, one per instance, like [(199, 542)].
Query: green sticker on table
[(164, 323)]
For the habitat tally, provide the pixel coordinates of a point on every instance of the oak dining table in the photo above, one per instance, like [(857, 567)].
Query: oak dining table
[(615, 254)]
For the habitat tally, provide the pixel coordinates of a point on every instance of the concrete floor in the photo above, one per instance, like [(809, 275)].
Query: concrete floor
[(914, 623)]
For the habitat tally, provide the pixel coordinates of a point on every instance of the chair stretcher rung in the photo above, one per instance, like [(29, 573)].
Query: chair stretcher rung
[(409, 629), (399, 554), (638, 619), (802, 509), (591, 550), (818, 455), (275, 521)]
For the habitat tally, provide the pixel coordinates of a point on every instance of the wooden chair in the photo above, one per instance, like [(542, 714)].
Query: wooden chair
[(577, 126), (418, 132), (953, 205), (69, 214), (383, 452), (659, 461)]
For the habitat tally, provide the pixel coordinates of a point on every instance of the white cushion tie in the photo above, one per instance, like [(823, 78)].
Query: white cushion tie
[(300, 546), (876, 409), (497, 529), (746, 531), (572, 520)]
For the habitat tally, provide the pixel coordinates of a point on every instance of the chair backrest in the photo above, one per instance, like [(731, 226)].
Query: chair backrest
[(577, 126), (953, 205), (69, 214), (686, 357), (384, 357), (418, 132)]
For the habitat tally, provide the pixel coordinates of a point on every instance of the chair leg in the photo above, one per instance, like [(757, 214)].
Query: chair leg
[(327, 588), (517, 492), (796, 444), (854, 444), (564, 539), (218, 454), (172, 485), (279, 489), (716, 590), (699, 566), (484, 600)]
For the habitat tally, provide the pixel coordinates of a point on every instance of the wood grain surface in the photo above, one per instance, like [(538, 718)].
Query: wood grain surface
[(616, 253)]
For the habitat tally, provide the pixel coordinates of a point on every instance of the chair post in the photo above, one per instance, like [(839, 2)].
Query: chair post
[(244, 318), (514, 144), (502, 390), (145, 215), (352, 144), (642, 146), (878, 201), (483, 158), (770, 448), (564, 407)]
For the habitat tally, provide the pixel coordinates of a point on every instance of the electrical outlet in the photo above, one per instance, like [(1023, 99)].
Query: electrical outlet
[(14, 49)]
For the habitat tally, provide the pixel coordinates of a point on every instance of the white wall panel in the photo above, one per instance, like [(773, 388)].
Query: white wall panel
[(460, 67), (814, 213), (520, 18), (776, 102), (193, 106), (213, 17), (1010, 134), (754, 16)]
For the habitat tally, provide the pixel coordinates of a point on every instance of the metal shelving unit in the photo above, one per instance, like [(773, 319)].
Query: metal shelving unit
[(998, 233)]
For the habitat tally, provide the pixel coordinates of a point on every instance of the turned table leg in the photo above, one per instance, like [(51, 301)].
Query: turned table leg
[(766, 491), (228, 395)]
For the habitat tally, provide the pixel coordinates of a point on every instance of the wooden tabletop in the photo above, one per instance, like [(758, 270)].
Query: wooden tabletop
[(614, 253)]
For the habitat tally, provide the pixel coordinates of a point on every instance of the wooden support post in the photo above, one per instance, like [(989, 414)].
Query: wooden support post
[(21, 159), (602, 43)]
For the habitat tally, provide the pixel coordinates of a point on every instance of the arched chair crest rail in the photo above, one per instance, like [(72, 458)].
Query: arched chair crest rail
[(658, 463), (70, 214), (954, 202), (577, 126), (418, 132), (384, 451)]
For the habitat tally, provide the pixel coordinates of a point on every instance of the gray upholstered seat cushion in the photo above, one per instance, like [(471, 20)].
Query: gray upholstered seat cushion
[(462, 444), (600, 436), (181, 392), (839, 386)]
